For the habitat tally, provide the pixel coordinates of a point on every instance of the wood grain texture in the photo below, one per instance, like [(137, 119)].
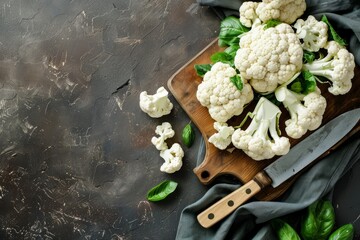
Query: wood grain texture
[(183, 85), (228, 204)]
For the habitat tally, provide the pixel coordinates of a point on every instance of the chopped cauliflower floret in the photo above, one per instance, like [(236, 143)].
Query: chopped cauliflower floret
[(173, 158), (261, 140), (313, 33), (306, 111), (222, 138), (337, 66), (164, 131), (156, 105)]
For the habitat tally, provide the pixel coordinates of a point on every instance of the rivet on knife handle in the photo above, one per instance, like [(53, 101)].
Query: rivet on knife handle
[(229, 203)]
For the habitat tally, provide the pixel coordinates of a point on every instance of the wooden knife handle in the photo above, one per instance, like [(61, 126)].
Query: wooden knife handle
[(229, 203)]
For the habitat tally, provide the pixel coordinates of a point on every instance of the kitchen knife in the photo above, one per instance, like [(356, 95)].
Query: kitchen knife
[(300, 156)]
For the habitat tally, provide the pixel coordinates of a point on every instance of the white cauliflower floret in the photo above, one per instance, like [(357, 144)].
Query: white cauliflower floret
[(247, 13), (261, 139), (286, 11), (220, 95), (270, 57), (313, 33), (222, 138), (337, 66), (156, 105), (306, 111), (173, 158), (164, 131)]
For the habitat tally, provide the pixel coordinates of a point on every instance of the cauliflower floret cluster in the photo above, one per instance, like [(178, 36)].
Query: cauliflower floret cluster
[(222, 138), (269, 57), (164, 131), (261, 140), (306, 111), (286, 11), (337, 66), (248, 13), (173, 158), (220, 95), (156, 105), (312, 33)]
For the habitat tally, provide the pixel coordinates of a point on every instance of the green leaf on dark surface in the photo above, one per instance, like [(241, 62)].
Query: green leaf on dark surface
[(201, 69), (188, 135), (237, 81), (283, 230), (333, 35), (345, 232), (272, 23), (161, 191), (318, 221), (230, 31)]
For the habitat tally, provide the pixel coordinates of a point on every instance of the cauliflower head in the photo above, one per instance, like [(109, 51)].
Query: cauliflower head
[(313, 33), (247, 13), (164, 131), (220, 95), (156, 105), (337, 66), (173, 158), (222, 138), (270, 57), (286, 11)]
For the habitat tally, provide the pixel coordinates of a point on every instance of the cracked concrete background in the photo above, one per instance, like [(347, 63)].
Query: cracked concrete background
[(76, 159)]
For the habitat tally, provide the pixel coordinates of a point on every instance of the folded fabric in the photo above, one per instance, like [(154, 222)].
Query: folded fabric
[(250, 221), (344, 15)]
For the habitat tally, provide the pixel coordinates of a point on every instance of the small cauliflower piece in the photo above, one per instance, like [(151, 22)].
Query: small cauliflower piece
[(337, 66), (220, 95), (222, 138), (261, 139), (313, 33), (306, 111), (270, 57), (156, 105), (286, 11), (164, 131), (247, 13), (173, 158)]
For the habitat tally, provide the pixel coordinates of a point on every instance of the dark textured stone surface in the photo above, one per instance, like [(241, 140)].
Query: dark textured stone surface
[(76, 159)]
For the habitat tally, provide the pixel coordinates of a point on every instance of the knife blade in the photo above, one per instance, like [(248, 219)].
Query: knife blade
[(300, 156)]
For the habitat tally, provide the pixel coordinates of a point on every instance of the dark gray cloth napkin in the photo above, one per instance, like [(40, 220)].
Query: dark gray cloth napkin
[(251, 220)]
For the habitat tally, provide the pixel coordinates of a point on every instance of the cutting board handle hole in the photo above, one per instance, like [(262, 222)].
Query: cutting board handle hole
[(205, 174)]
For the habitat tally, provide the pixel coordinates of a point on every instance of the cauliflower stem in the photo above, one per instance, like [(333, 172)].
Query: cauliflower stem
[(306, 111), (261, 139)]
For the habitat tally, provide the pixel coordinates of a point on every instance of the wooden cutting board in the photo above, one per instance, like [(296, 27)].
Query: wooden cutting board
[(183, 85)]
